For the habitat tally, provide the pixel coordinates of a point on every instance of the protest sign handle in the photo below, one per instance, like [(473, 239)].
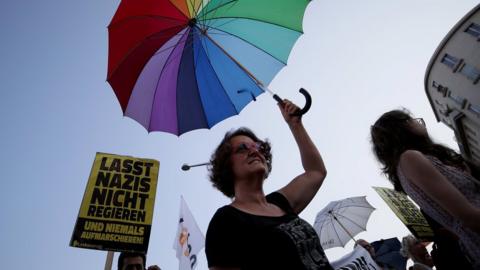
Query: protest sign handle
[(109, 261)]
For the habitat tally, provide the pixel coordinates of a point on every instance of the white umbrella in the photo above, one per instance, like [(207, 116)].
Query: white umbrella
[(341, 220)]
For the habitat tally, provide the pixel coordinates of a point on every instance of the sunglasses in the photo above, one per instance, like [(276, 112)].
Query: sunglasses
[(245, 148)]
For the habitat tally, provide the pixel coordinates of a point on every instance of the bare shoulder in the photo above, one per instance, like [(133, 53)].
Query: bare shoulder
[(417, 167), (411, 157), (414, 163)]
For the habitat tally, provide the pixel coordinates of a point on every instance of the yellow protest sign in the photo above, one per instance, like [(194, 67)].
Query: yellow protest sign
[(117, 207), (407, 212)]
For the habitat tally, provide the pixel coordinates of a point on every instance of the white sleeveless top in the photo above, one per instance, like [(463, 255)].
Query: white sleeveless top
[(468, 186)]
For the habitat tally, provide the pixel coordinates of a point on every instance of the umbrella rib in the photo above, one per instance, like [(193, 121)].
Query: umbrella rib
[(223, 87), (335, 230), (197, 13), (160, 76), (257, 20), (201, 16), (179, 10), (205, 48), (349, 219), (251, 76), (125, 56), (333, 222), (196, 82), (192, 2), (186, 43), (323, 225), (193, 6), (353, 205), (169, 47), (195, 58), (218, 79), (200, 7), (157, 17), (214, 14), (227, 33), (198, 88), (216, 8), (216, 27)]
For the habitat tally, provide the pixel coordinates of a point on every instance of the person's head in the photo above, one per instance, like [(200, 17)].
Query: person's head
[(240, 152), (131, 261), (397, 131), (414, 249), (366, 245)]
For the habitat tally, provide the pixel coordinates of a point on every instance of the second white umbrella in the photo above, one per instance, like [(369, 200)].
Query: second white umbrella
[(340, 221)]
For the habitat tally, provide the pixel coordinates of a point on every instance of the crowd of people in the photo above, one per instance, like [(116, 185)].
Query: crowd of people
[(264, 231)]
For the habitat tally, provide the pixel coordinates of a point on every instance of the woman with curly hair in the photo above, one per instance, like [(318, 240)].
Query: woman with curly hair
[(258, 231), (434, 176)]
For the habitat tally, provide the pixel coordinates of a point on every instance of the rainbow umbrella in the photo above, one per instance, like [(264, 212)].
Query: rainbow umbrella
[(180, 65)]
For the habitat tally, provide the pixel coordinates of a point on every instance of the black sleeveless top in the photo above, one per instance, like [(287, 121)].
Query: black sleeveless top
[(239, 239)]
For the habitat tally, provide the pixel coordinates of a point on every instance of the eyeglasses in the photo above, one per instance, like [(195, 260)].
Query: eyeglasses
[(419, 120), (134, 267), (245, 148)]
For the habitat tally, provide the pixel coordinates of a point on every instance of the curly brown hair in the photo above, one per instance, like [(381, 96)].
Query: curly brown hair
[(220, 169), (391, 135)]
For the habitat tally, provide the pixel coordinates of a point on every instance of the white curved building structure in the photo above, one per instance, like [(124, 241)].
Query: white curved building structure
[(452, 83)]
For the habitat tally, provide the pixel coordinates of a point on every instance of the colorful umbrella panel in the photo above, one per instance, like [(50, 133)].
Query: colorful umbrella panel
[(177, 66)]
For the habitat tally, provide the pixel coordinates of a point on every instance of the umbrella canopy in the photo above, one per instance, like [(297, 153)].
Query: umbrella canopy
[(341, 220), (387, 252), (178, 65)]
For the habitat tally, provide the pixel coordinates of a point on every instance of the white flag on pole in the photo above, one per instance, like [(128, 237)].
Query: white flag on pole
[(189, 239)]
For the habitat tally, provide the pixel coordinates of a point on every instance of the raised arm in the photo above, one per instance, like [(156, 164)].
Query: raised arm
[(301, 190), (418, 169)]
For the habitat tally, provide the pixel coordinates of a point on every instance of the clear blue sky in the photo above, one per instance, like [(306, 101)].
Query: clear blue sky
[(357, 58)]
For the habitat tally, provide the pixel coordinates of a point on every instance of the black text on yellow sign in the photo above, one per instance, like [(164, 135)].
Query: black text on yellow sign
[(407, 212), (117, 207)]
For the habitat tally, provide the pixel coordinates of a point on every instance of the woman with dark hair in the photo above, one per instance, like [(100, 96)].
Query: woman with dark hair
[(434, 176), (257, 231)]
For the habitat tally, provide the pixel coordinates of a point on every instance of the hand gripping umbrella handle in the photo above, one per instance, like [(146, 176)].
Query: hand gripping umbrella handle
[(308, 102)]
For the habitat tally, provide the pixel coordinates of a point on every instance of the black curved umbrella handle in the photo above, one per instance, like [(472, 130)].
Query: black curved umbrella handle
[(308, 102)]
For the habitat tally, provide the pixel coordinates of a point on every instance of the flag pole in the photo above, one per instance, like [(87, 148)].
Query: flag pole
[(109, 260)]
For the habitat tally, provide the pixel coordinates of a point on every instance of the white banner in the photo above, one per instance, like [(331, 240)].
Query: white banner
[(189, 239), (358, 259)]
